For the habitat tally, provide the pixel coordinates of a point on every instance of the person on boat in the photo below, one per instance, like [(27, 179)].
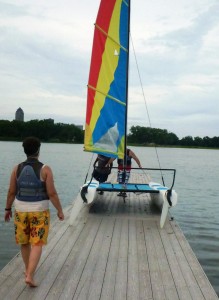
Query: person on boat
[(31, 187), (124, 168), (103, 168)]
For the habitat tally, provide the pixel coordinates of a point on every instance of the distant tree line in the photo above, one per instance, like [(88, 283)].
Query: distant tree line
[(48, 131), (155, 136), (45, 130)]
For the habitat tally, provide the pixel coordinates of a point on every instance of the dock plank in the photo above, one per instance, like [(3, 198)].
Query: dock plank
[(98, 274), (145, 289), (201, 278), (177, 274), (133, 273), (158, 291), (164, 266), (107, 292), (120, 289), (92, 263), (74, 263), (77, 276)]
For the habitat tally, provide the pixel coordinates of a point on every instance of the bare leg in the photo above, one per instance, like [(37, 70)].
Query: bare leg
[(25, 252), (34, 258)]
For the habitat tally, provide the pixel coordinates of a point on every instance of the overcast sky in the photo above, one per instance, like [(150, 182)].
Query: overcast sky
[(45, 49)]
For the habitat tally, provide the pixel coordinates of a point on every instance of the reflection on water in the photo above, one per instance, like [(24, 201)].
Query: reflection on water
[(196, 183)]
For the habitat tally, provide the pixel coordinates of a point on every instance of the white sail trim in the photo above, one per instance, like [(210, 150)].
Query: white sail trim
[(108, 141)]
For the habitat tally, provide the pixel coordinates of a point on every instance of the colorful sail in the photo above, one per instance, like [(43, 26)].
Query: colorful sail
[(107, 86)]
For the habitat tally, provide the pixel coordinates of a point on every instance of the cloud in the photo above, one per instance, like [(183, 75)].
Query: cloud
[(181, 74), (45, 49)]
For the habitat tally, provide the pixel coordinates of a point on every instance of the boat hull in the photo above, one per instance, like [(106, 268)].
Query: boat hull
[(161, 200), (88, 191)]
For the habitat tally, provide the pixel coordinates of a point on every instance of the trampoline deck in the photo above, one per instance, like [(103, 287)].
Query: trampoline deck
[(130, 187)]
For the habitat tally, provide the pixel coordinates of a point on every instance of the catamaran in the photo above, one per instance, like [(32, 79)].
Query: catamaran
[(107, 103)]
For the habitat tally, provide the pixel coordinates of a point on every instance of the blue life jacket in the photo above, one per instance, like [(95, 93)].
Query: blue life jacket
[(29, 186)]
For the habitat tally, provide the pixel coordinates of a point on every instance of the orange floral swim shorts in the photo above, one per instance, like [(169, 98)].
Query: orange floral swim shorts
[(32, 227)]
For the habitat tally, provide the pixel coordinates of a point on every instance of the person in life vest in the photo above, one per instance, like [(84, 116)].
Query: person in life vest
[(103, 168), (124, 168), (31, 189)]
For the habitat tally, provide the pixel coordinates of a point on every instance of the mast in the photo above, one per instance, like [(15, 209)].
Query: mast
[(127, 82)]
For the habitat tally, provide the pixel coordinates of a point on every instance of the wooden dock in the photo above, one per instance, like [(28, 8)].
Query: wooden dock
[(114, 250)]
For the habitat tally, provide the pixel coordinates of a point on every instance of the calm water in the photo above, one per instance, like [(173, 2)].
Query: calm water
[(196, 183)]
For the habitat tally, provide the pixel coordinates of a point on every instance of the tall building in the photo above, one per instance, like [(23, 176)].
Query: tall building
[(19, 115)]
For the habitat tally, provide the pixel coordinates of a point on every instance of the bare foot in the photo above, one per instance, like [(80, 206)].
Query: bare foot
[(30, 282)]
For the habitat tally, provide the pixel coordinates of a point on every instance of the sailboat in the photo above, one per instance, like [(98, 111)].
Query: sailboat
[(107, 102)]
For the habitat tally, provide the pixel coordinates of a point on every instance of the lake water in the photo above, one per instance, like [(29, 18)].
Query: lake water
[(196, 183)]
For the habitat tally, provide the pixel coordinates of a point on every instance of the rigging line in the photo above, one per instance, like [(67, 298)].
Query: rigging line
[(89, 168), (145, 101)]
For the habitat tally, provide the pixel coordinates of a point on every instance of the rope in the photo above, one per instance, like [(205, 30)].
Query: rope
[(89, 168), (145, 102)]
